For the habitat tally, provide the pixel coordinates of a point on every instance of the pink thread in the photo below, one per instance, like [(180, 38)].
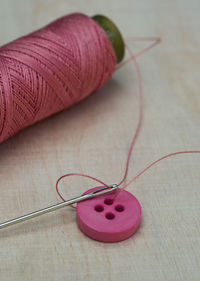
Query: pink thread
[(140, 115), (132, 58), (80, 175), (158, 160), (52, 69)]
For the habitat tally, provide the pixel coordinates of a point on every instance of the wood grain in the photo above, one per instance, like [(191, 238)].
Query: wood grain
[(93, 137)]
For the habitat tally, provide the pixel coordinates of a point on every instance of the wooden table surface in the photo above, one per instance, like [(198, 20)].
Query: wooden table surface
[(93, 137)]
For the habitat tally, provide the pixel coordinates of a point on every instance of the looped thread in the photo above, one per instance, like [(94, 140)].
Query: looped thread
[(132, 58)]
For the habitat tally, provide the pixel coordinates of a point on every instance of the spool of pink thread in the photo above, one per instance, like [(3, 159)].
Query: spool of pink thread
[(55, 67)]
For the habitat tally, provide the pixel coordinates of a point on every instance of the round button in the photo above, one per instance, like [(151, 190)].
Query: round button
[(108, 220)]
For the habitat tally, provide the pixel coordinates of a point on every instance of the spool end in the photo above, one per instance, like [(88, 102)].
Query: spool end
[(113, 34)]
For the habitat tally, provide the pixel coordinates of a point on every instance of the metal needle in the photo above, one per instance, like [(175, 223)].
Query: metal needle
[(87, 196)]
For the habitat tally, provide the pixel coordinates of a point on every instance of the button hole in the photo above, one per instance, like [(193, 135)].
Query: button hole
[(119, 208), (108, 201), (110, 216), (99, 208)]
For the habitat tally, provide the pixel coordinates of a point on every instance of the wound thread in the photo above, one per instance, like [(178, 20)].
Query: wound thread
[(51, 69)]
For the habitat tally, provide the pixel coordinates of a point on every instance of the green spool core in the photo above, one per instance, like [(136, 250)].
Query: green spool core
[(113, 34)]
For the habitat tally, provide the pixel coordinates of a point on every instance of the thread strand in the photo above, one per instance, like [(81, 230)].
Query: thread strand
[(139, 75)]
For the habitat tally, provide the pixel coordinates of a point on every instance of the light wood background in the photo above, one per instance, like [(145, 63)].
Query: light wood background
[(93, 137)]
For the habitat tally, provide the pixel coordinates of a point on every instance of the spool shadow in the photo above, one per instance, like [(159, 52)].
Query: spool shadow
[(16, 147), (61, 121)]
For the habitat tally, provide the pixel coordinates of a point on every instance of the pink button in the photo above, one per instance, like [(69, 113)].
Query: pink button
[(106, 220)]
